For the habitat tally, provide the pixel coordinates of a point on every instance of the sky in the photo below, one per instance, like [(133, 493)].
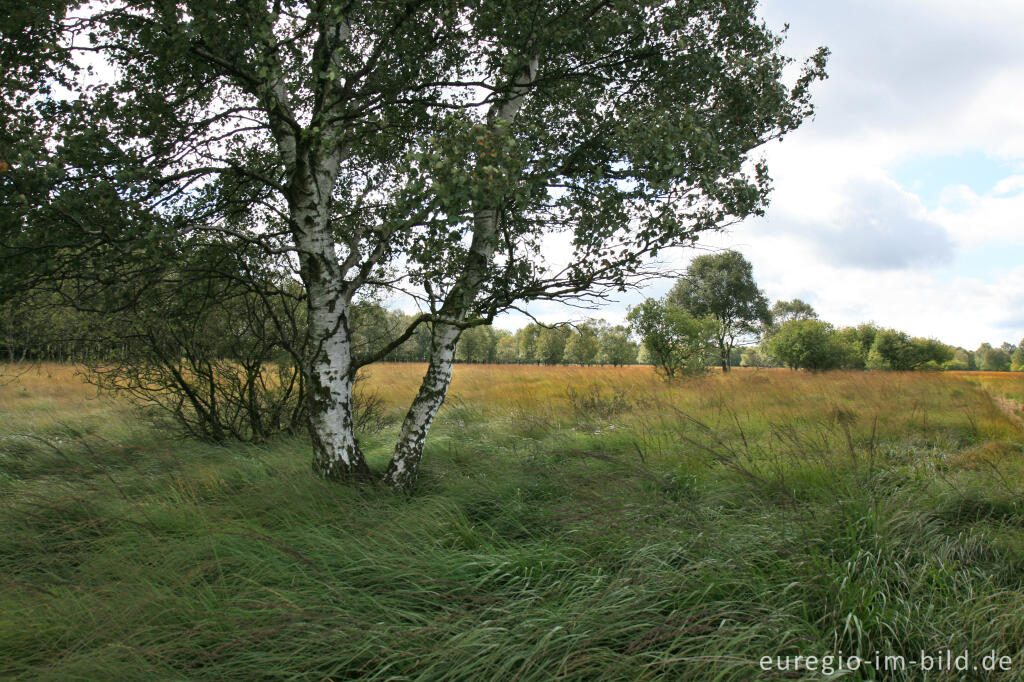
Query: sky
[(902, 201)]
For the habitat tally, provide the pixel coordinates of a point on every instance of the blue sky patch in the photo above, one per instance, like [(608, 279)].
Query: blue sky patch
[(928, 176)]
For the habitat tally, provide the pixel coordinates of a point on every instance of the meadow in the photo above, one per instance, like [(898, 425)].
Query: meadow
[(570, 523)]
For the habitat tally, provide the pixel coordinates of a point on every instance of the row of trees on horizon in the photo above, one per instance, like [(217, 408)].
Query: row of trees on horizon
[(714, 315)]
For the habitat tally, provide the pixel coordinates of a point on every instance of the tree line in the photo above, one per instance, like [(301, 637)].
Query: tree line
[(716, 314)]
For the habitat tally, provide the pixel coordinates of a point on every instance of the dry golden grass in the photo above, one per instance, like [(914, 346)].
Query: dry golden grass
[(34, 398), (887, 401)]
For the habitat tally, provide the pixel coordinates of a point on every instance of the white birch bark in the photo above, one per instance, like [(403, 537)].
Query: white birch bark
[(336, 453), (405, 461), (329, 373), (404, 466)]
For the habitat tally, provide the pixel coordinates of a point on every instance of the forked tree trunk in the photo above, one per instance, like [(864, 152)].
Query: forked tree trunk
[(405, 461)]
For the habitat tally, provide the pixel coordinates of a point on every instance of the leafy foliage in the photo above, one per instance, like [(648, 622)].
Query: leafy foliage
[(722, 286), (1017, 360), (896, 350), (676, 341), (803, 343)]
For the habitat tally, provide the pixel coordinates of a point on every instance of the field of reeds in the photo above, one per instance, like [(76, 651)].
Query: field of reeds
[(570, 523)]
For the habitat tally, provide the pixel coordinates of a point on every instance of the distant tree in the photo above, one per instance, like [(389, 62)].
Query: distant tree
[(753, 357), (477, 344), (722, 286), (784, 311), (583, 344), (963, 357), (616, 348), (810, 344), (417, 347), (676, 342), (1017, 359), (507, 349), (991, 359), (863, 337), (551, 345), (372, 325), (527, 341), (896, 350)]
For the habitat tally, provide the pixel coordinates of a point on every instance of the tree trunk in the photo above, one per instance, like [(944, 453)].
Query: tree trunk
[(329, 370), (405, 462), (336, 454)]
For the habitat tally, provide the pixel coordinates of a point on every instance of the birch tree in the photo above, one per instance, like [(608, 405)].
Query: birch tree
[(471, 155)]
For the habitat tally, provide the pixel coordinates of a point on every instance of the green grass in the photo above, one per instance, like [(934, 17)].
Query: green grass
[(598, 538)]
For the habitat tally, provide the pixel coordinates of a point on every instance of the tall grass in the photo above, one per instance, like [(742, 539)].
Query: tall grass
[(571, 523)]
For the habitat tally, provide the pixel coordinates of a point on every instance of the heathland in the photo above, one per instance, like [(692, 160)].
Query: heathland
[(569, 523)]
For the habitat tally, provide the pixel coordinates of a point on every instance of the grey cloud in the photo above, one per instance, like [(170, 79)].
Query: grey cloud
[(895, 64), (878, 228)]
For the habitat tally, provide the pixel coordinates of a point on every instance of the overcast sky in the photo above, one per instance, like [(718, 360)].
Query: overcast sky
[(902, 202)]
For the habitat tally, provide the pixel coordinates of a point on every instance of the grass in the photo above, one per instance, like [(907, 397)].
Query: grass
[(571, 523)]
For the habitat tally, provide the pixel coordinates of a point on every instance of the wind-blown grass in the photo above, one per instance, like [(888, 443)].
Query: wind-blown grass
[(570, 523)]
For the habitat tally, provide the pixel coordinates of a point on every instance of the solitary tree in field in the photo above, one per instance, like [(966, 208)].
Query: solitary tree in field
[(722, 286), (429, 147), (676, 341)]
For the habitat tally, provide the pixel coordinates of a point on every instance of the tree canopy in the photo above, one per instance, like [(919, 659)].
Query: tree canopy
[(810, 344), (425, 149), (722, 286), (676, 341)]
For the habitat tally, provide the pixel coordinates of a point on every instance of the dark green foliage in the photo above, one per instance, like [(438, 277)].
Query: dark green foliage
[(722, 286), (991, 359), (896, 350), (862, 337), (784, 311), (551, 345), (616, 348), (584, 344), (478, 344), (810, 344), (1017, 360), (676, 341)]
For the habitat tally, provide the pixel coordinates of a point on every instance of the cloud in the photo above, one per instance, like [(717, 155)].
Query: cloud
[(906, 74), (878, 227)]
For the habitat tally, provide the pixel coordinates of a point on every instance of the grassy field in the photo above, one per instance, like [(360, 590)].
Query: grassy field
[(571, 523)]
